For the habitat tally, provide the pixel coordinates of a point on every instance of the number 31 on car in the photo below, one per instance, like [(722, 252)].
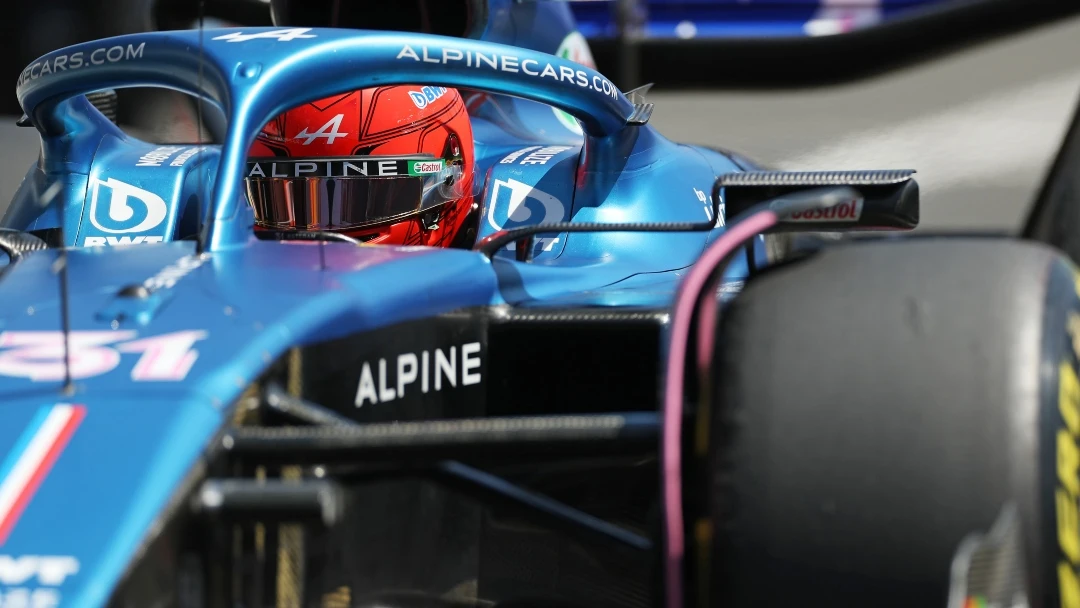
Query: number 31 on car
[(39, 355)]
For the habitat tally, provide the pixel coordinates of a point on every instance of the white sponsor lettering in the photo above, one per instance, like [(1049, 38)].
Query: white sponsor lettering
[(509, 63), (183, 158), (39, 355), (26, 597), (22, 577), (848, 211), (283, 35), (330, 168), (158, 155), (704, 198), (536, 155), (50, 570), (112, 241), (513, 156), (174, 272), (333, 125), (543, 155), (435, 370), (80, 59), (119, 211), (729, 288), (426, 95)]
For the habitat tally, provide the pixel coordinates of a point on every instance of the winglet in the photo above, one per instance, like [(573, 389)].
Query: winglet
[(642, 111), (641, 115), (637, 95)]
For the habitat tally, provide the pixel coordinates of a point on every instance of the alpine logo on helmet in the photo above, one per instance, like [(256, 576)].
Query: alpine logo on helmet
[(330, 131)]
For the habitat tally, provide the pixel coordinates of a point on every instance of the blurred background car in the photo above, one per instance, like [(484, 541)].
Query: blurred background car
[(974, 94), (687, 19), (789, 42)]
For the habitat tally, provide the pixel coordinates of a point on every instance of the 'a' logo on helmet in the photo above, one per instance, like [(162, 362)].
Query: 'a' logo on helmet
[(329, 131)]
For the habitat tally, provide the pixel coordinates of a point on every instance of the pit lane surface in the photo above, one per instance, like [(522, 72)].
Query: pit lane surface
[(980, 126)]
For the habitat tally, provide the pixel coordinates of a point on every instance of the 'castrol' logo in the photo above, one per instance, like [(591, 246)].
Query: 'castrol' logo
[(427, 167), (848, 211)]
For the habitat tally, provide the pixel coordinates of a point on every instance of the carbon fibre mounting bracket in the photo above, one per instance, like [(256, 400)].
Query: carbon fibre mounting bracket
[(879, 199)]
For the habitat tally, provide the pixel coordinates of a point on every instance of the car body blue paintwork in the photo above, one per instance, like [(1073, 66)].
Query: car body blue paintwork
[(219, 318), (709, 19)]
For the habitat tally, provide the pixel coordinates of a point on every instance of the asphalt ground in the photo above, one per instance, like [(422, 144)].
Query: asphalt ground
[(981, 126)]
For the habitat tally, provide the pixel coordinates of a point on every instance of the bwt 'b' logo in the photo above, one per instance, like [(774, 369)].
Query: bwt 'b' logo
[(117, 207), (516, 204)]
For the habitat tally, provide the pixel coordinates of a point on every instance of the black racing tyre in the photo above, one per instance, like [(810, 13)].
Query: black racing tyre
[(879, 402)]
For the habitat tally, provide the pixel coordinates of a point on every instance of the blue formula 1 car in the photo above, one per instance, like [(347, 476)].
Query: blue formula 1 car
[(789, 43), (687, 19), (583, 405)]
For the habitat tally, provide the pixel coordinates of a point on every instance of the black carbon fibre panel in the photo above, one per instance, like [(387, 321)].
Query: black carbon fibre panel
[(577, 360)]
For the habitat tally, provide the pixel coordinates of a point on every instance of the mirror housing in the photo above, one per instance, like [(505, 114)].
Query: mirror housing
[(879, 200)]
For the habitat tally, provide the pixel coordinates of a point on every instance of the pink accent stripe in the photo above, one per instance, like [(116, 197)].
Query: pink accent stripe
[(671, 441), (78, 412)]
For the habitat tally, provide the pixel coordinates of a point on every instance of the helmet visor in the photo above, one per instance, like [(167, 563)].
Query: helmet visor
[(349, 192)]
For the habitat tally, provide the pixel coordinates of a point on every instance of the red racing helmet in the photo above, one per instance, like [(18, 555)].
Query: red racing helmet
[(390, 165)]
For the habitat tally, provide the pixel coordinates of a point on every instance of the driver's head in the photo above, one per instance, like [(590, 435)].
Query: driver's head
[(390, 165)]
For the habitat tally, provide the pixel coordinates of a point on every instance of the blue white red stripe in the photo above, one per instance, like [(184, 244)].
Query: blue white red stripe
[(32, 457)]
